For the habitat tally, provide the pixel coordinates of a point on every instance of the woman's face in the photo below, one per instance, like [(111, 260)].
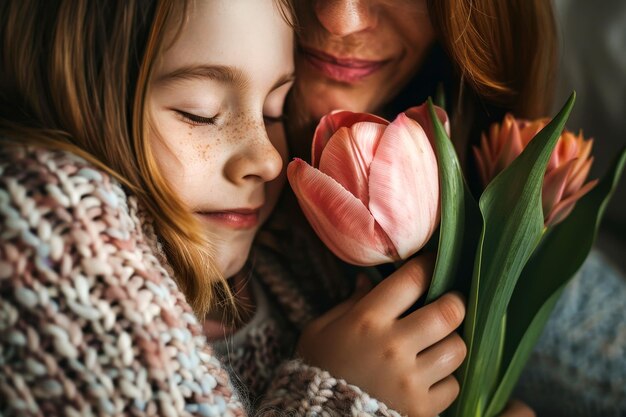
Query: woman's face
[(216, 107), (358, 54)]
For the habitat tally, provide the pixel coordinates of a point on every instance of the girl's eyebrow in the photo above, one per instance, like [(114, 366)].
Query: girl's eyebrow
[(221, 73)]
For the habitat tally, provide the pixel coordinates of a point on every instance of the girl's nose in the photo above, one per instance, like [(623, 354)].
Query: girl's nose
[(255, 161), (345, 17)]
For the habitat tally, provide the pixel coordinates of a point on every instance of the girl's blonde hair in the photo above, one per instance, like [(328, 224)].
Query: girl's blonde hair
[(74, 75)]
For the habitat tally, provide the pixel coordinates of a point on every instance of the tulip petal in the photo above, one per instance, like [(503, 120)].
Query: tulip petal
[(422, 116), (585, 147), (404, 186), (331, 123), (511, 148), (488, 157), (348, 155), (553, 162), (482, 166), (583, 155), (508, 124), (341, 220), (529, 129), (553, 186), (567, 147), (577, 177), (493, 142), (565, 207)]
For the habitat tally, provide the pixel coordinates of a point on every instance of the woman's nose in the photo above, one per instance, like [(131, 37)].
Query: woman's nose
[(345, 17), (256, 160)]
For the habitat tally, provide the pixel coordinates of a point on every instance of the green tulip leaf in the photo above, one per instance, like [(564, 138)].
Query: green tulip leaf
[(456, 205), (557, 259), (512, 228)]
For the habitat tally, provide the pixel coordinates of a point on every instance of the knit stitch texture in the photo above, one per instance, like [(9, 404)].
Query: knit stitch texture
[(91, 321)]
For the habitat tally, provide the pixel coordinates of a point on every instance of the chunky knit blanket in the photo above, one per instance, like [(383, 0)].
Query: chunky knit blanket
[(92, 323)]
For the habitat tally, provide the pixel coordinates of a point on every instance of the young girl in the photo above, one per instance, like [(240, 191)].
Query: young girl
[(140, 141)]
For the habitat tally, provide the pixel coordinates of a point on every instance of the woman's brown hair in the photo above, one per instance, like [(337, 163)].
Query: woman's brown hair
[(74, 75), (504, 50), (503, 55)]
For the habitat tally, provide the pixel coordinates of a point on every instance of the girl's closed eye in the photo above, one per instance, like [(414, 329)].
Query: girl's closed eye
[(274, 119), (196, 120)]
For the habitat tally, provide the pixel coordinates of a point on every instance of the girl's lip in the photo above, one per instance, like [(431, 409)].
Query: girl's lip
[(238, 219), (348, 70)]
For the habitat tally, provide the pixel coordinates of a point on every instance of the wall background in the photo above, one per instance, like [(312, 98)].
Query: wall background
[(593, 62)]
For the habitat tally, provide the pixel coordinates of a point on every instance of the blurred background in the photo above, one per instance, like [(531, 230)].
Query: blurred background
[(593, 62)]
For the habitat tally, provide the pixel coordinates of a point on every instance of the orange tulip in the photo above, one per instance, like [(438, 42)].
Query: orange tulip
[(371, 192), (567, 170)]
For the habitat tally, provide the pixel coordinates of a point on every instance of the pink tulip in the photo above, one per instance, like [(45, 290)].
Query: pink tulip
[(372, 191), (564, 180)]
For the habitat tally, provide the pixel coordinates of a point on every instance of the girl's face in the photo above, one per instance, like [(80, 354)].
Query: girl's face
[(216, 105)]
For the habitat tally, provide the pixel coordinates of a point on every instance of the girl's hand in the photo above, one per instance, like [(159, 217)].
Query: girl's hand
[(405, 362), (517, 409)]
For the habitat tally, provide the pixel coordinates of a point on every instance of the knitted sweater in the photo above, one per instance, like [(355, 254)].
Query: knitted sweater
[(92, 322)]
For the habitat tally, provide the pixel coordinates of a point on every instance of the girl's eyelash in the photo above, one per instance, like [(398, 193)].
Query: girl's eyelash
[(275, 119), (194, 119), (197, 120)]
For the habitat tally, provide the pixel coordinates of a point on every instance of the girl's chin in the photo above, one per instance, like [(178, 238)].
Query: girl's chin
[(234, 266)]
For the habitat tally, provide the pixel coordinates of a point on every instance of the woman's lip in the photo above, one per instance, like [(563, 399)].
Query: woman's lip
[(236, 218), (342, 69), (346, 62)]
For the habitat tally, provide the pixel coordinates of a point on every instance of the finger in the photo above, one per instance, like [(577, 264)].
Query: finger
[(517, 409), (397, 293), (363, 286), (433, 322), (443, 393), (442, 359)]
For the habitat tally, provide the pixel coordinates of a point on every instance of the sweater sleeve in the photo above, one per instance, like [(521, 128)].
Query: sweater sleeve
[(91, 322), (303, 390)]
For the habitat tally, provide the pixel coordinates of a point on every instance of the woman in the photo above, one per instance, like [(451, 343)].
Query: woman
[(491, 57)]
